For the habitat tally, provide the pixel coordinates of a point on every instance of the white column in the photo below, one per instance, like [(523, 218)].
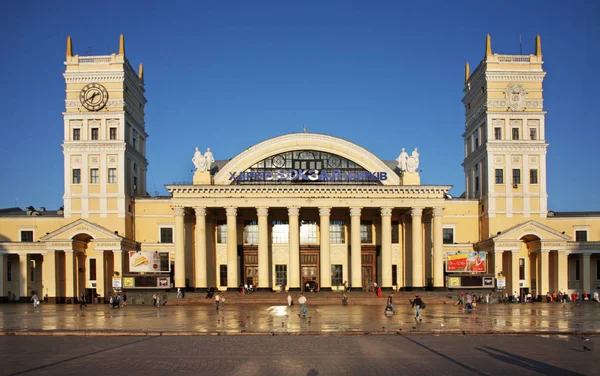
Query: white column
[(563, 271), (23, 276), (100, 273), (200, 254), (232, 257), (263, 248), (417, 247), (70, 276), (386, 247), (514, 272), (585, 275), (179, 247), (325, 256), (543, 284), (438, 248), (118, 262), (498, 263), (355, 248), (294, 248), (49, 274)]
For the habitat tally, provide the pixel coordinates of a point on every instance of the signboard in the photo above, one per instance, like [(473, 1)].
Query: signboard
[(308, 175), (116, 283), (488, 282), (453, 282), (163, 282), (501, 283), (466, 262), (470, 282), (128, 282), (149, 262)]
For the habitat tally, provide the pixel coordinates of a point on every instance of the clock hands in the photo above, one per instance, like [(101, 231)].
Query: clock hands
[(91, 98)]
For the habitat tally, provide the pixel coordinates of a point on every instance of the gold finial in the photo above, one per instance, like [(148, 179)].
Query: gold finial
[(304, 128), (69, 47), (122, 45), (141, 72), (467, 72), (538, 46), (488, 45)]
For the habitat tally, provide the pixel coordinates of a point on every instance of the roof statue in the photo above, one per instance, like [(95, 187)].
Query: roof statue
[(203, 162)]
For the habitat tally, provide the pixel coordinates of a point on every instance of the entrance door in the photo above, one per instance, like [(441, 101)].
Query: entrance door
[(309, 276), (366, 276), (251, 275)]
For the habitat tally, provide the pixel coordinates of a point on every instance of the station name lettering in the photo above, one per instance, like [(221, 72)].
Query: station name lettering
[(308, 175)]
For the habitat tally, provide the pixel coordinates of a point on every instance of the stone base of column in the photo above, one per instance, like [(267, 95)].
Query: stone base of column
[(410, 288), (294, 289), (325, 289), (264, 289), (438, 289), (232, 289)]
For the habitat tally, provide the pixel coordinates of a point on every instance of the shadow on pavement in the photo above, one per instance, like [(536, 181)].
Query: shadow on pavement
[(527, 363)]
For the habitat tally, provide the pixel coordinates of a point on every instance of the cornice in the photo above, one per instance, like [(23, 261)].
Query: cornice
[(94, 146), (87, 77), (508, 76)]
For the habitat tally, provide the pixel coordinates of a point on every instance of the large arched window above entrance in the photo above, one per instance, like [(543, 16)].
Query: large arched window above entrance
[(308, 166)]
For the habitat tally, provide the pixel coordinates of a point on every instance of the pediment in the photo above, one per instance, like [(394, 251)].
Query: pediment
[(543, 232), (81, 226)]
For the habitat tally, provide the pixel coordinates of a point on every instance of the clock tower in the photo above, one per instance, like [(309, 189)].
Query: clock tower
[(104, 143)]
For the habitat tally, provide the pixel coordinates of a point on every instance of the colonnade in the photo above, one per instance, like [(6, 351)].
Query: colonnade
[(417, 252)]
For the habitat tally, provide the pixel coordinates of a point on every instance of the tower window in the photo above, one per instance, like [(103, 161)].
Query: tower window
[(336, 232), (515, 133), (93, 176), (521, 268), (533, 134), (112, 176), (113, 133), (76, 134), (76, 176), (499, 176), (498, 133), (516, 176), (366, 232), (581, 235), (533, 176), (251, 232), (95, 134), (221, 232), (27, 236)]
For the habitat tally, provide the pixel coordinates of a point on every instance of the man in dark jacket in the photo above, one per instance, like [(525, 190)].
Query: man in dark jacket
[(418, 303)]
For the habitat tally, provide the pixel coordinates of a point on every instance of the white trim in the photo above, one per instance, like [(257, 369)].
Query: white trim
[(26, 228), (585, 228), (161, 226), (451, 226)]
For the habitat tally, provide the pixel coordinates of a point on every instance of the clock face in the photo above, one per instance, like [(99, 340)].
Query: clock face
[(93, 97)]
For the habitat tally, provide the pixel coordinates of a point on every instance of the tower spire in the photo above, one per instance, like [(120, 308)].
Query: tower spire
[(69, 46), (488, 45), (122, 45), (538, 46), (467, 71), (141, 72)]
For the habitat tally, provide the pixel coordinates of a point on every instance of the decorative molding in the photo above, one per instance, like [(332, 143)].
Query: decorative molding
[(96, 146), (262, 212), (324, 212), (355, 212), (515, 77), (293, 212), (386, 212), (85, 77), (416, 212), (200, 211), (179, 211), (437, 212), (515, 96), (231, 212)]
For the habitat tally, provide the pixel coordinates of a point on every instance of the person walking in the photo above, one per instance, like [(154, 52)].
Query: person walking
[(223, 301), (289, 299), (418, 303), (82, 301), (157, 300), (302, 302), (217, 299), (153, 298), (35, 299), (390, 305), (179, 296)]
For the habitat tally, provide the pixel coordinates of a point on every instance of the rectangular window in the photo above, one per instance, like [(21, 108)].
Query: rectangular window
[(498, 133), (223, 275), (533, 176), (394, 274), (112, 176), (499, 176), (581, 235), (27, 236), (95, 134), (8, 271), (577, 270), (521, 268), (251, 232), (222, 232), (515, 133), (76, 176), (366, 232), (476, 142), (280, 275), (448, 236), (308, 232), (92, 269), (93, 176), (395, 232), (76, 134), (336, 275), (516, 176), (32, 271), (280, 232), (533, 134), (476, 183), (166, 235), (112, 133), (336, 232)]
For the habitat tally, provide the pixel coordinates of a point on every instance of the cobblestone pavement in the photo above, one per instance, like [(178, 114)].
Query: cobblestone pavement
[(540, 318), (298, 355)]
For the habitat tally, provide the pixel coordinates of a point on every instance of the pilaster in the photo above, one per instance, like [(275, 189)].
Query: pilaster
[(200, 260), (438, 249), (179, 247), (386, 248), (23, 268), (263, 248), (294, 248), (49, 275), (417, 247), (325, 256), (232, 257), (355, 248)]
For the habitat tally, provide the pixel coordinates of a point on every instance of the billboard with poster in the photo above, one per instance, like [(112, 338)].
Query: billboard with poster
[(461, 262), (149, 262)]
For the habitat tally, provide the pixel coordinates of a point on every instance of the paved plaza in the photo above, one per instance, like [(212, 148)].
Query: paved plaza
[(538, 318)]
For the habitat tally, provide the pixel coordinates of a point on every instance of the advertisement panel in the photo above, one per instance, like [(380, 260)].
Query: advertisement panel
[(149, 262), (466, 262)]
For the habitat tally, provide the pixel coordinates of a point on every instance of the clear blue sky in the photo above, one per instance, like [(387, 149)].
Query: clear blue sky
[(227, 75)]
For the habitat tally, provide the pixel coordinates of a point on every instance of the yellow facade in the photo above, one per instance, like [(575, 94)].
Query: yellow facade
[(266, 231)]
